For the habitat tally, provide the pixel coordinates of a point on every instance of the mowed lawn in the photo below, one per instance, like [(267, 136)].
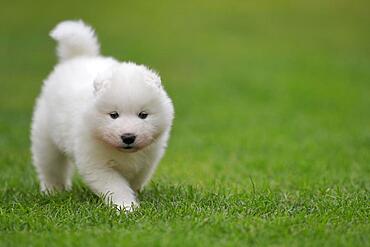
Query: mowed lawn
[(271, 141)]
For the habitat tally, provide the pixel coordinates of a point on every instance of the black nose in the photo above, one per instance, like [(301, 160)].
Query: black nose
[(128, 138)]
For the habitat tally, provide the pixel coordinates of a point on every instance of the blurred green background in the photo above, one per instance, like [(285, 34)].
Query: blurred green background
[(271, 139)]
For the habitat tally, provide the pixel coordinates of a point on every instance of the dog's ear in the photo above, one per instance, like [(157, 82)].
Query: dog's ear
[(100, 84), (152, 78), (102, 80)]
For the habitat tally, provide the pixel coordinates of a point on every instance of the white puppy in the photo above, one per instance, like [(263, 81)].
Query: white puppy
[(111, 119)]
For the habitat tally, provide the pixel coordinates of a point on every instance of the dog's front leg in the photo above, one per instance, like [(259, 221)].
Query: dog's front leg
[(109, 183)]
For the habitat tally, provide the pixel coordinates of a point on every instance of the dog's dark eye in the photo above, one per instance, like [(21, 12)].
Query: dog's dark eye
[(142, 115), (114, 115)]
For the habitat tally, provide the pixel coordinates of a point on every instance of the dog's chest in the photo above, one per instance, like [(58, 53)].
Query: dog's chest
[(128, 167)]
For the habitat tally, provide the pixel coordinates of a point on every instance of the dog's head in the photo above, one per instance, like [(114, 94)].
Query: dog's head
[(131, 109)]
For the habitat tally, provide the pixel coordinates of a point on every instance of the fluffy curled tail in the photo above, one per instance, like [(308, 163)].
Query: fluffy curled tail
[(75, 39)]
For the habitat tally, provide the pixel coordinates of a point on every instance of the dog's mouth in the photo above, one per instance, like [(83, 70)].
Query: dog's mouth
[(129, 149)]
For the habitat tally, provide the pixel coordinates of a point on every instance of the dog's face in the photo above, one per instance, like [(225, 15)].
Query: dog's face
[(131, 109)]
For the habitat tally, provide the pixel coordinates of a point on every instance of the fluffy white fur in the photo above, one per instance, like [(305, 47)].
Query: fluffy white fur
[(72, 122)]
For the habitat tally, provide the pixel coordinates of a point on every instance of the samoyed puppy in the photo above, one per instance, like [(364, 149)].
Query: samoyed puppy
[(111, 119)]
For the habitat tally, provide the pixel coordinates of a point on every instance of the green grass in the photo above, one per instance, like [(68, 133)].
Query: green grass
[(271, 141)]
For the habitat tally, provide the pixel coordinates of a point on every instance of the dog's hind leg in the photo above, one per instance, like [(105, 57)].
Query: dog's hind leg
[(53, 168)]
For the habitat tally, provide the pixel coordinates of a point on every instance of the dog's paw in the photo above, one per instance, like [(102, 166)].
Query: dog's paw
[(127, 207), (50, 189)]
